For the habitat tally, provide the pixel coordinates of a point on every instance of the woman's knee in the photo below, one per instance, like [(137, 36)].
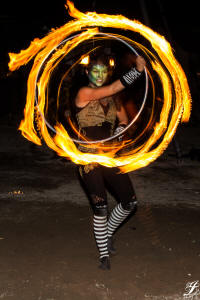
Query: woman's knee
[(130, 204), (100, 206)]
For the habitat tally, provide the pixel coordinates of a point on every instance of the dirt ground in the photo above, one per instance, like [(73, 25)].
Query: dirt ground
[(47, 247)]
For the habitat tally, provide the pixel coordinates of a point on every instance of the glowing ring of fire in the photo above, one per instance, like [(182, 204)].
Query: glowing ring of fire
[(128, 126), (172, 77)]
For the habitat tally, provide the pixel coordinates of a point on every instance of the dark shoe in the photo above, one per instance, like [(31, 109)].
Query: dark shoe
[(104, 263), (111, 249)]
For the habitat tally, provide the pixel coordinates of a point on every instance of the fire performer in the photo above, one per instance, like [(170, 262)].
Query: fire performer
[(97, 115)]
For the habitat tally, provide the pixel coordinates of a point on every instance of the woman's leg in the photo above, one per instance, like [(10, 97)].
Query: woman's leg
[(93, 180), (123, 188)]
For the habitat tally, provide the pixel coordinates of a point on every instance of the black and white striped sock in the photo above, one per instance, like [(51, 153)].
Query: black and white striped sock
[(101, 234), (117, 216)]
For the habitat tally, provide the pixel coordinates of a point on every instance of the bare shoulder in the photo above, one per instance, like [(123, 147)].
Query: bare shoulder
[(82, 96)]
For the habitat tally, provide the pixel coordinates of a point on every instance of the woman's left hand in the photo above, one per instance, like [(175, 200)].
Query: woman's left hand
[(140, 63)]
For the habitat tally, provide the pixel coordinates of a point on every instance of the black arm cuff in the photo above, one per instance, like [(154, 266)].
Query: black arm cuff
[(130, 77)]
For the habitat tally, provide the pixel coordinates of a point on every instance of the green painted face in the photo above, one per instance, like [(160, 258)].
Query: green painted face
[(98, 75)]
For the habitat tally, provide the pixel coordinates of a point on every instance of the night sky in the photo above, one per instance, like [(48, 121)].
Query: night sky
[(22, 21)]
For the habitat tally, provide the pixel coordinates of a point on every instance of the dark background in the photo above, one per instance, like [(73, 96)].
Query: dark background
[(47, 247), (21, 22)]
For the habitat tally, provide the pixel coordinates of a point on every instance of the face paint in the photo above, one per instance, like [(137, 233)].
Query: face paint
[(98, 75)]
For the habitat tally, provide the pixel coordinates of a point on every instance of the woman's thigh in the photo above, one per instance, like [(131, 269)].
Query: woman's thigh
[(94, 183), (120, 184)]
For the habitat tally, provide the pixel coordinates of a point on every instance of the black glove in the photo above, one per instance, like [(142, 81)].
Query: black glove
[(118, 130)]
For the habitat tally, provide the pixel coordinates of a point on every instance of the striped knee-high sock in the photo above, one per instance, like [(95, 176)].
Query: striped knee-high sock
[(117, 216), (101, 234)]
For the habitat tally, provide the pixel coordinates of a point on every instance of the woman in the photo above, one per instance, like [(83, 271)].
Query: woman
[(96, 114)]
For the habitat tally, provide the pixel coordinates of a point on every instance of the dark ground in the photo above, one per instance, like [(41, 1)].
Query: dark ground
[(47, 247)]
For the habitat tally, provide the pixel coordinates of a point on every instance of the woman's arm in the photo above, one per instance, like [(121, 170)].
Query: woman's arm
[(122, 116), (123, 121), (87, 94)]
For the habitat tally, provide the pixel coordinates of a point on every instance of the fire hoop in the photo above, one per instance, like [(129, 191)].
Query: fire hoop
[(176, 98), (129, 125)]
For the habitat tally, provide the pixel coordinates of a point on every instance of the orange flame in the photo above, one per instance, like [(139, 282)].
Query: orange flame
[(62, 143)]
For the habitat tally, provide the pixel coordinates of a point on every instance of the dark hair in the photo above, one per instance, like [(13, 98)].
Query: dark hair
[(95, 58)]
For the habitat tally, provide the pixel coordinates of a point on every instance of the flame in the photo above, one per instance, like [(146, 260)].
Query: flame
[(85, 60), (112, 62), (47, 54)]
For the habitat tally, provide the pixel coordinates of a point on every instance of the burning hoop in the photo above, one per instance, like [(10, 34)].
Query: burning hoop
[(129, 125), (176, 95)]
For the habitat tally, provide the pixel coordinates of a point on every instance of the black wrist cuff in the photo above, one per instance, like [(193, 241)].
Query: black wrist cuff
[(130, 77)]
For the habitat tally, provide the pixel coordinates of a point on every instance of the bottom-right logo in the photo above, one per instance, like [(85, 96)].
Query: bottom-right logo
[(192, 290)]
